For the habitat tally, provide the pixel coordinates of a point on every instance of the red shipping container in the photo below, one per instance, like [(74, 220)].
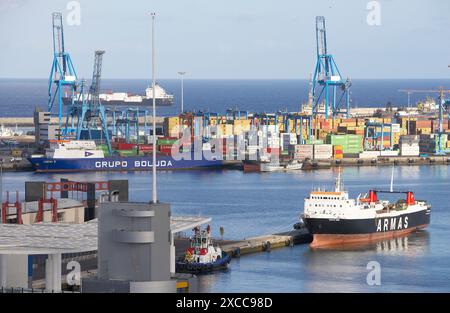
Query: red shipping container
[(273, 150), (166, 151), (126, 146), (165, 147), (145, 148), (119, 139), (423, 124)]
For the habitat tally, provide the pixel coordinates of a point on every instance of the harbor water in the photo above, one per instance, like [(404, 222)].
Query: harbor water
[(18, 97), (255, 204)]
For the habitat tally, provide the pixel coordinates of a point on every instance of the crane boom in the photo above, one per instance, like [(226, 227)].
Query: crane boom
[(321, 35), (62, 73), (58, 40), (94, 90)]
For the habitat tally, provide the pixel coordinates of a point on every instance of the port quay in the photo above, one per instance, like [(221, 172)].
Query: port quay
[(124, 170)]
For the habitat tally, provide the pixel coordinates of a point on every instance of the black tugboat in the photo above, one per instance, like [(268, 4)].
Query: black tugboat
[(202, 256)]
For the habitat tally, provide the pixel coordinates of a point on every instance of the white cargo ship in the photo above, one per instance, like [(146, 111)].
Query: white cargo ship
[(84, 155), (333, 218), (127, 99)]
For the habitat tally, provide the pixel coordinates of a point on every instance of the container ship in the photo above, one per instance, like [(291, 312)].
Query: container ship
[(126, 99), (84, 155), (334, 219)]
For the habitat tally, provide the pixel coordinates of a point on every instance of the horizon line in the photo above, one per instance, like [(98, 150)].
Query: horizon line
[(225, 78)]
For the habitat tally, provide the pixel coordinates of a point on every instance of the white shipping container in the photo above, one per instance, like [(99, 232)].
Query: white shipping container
[(272, 129), (303, 148), (389, 153), (409, 153), (409, 150), (323, 151), (322, 156), (302, 156), (395, 128), (369, 154), (323, 147)]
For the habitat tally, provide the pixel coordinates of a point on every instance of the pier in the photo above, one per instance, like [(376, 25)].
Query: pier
[(264, 243)]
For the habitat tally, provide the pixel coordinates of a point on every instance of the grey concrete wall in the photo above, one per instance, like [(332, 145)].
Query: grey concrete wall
[(160, 252), (134, 242), (14, 271), (122, 187), (93, 285), (106, 286), (34, 190)]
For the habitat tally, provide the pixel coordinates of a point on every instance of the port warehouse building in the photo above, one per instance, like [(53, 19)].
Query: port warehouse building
[(59, 243)]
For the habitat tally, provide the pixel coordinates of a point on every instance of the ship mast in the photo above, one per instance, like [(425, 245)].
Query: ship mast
[(392, 180), (338, 186)]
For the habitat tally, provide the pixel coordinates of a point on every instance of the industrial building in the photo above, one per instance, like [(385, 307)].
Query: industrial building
[(140, 230)]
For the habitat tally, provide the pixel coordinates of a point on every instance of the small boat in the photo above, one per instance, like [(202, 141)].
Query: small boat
[(278, 167), (293, 165), (202, 257), (270, 167)]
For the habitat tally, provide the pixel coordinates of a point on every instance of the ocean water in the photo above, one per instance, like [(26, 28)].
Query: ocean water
[(18, 97), (262, 203)]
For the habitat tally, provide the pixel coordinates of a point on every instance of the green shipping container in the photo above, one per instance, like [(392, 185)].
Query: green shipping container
[(127, 152), (314, 142), (165, 142), (350, 143)]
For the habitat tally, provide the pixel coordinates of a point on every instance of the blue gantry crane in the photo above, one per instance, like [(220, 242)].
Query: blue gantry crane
[(86, 113), (443, 106), (126, 122), (327, 76), (63, 74)]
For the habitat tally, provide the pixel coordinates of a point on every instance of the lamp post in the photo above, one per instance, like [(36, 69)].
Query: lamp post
[(1, 188), (182, 90), (154, 195)]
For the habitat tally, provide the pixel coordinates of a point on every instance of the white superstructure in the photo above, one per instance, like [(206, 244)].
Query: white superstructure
[(202, 249), (160, 93), (75, 149)]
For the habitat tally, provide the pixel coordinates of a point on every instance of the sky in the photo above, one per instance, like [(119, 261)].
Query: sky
[(230, 39)]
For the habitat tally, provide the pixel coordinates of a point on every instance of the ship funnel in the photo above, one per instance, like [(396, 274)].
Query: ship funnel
[(410, 198), (373, 196)]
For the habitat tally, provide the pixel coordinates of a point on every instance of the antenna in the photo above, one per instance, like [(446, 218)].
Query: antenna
[(154, 194), (392, 179)]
